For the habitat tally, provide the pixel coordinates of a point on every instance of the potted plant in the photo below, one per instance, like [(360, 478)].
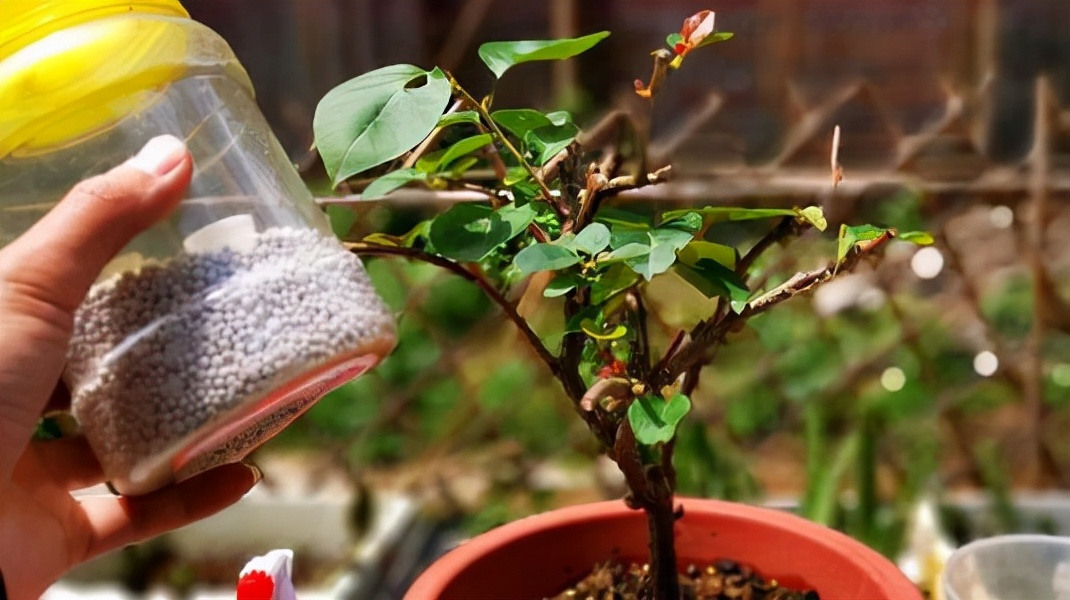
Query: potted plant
[(544, 225)]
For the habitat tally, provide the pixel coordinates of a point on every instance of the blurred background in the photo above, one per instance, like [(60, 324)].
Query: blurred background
[(935, 383)]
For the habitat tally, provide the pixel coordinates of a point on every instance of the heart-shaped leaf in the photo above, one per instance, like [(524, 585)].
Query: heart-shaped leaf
[(376, 117), (654, 420), (500, 56)]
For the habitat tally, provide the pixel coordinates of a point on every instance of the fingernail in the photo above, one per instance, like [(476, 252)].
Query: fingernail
[(159, 156), (257, 473)]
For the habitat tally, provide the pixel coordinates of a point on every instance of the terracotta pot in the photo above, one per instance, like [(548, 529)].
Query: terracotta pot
[(539, 556)]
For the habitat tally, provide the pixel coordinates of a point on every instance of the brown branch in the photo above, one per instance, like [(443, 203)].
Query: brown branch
[(787, 226), (640, 359), (370, 249), (707, 335)]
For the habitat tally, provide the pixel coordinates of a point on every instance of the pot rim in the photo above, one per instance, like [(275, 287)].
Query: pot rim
[(434, 580)]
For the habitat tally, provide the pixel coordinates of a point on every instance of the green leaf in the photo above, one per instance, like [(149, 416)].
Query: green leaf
[(500, 56), (460, 167), (697, 250), (561, 284), (718, 214), (545, 142), (658, 260), (663, 243), (611, 282), (850, 236), (670, 237), (714, 279), (625, 252), (674, 38), (921, 238), (591, 328), (587, 312), (519, 121), (341, 219), (464, 116), (518, 217), (621, 220), (815, 216), (390, 182), (690, 222), (593, 239), (515, 175), (48, 428), (376, 117), (559, 117), (469, 232), (441, 162), (654, 420), (713, 38), (544, 257)]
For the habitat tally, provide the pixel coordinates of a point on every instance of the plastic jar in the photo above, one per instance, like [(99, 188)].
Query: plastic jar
[(214, 329)]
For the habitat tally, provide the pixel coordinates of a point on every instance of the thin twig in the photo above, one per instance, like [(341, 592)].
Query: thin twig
[(370, 249), (786, 227), (545, 191), (419, 151), (641, 355), (706, 336)]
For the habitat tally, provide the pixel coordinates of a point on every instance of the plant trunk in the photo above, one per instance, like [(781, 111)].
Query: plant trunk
[(660, 520)]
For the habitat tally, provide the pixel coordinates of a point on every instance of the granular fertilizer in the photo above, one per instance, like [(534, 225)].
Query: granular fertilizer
[(159, 353)]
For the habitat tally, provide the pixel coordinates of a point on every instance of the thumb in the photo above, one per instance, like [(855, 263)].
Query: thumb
[(46, 272), (64, 252)]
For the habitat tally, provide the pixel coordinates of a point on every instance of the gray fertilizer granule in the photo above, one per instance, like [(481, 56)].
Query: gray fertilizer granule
[(158, 353)]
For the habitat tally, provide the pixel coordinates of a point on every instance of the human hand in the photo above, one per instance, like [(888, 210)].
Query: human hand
[(44, 275)]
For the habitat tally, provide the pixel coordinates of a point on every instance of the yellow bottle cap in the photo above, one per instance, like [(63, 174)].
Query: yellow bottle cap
[(26, 21), (69, 68)]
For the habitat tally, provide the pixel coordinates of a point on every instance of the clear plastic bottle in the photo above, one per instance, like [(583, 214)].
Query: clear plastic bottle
[(217, 327)]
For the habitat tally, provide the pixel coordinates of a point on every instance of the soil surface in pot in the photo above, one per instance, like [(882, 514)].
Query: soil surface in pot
[(722, 580)]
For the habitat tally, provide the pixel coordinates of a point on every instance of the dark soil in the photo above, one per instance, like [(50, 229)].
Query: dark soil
[(722, 580)]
